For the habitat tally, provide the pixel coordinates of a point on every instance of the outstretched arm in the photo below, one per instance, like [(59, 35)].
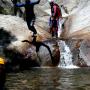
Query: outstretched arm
[(20, 4), (17, 4), (23, 4), (37, 2)]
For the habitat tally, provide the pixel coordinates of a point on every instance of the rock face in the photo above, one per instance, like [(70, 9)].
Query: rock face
[(78, 20), (6, 7), (85, 51), (76, 27), (75, 47), (15, 26), (16, 30), (77, 24), (13, 31)]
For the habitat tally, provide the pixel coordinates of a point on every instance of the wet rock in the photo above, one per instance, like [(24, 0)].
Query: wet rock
[(56, 54), (85, 51), (75, 47), (81, 63), (48, 54)]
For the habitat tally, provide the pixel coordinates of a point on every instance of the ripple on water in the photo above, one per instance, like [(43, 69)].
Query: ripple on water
[(49, 79)]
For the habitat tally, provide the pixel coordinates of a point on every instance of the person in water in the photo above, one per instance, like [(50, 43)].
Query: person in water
[(2, 73)]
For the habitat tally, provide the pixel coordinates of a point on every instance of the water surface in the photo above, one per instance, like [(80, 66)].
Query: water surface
[(49, 79)]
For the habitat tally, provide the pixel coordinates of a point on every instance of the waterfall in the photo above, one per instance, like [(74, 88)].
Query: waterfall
[(66, 56)]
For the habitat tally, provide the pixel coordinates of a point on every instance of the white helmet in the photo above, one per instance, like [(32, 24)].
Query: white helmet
[(50, 1)]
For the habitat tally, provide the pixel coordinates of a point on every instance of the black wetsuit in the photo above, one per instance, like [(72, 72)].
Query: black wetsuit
[(30, 16)]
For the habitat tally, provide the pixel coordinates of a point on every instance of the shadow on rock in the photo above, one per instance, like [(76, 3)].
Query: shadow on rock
[(14, 59)]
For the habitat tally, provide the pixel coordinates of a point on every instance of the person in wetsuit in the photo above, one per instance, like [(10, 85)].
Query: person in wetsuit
[(29, 12)]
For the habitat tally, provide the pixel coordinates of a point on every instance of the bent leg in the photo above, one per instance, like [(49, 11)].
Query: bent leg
[(31, 27)]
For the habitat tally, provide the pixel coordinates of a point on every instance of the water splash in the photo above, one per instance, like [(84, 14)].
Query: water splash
[(66, 56)]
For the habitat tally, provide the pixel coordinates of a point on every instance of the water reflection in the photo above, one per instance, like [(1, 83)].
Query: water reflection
[(49, 79)]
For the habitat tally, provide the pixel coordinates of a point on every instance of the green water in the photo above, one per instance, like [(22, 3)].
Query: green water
[(49, 79)]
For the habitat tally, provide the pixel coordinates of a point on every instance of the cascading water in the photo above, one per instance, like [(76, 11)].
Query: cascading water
[(66, 56)]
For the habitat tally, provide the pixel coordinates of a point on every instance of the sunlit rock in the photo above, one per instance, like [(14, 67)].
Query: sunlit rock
[(77, 24), (13, 31), (76, 27)]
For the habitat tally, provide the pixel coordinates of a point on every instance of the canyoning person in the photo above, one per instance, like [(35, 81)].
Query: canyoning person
[(55, 18), (2, 73), (29, 13)]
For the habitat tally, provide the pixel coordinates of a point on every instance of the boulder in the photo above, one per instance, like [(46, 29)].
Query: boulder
[(13, 31)]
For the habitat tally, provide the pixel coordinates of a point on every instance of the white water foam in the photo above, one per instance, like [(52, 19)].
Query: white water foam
[(66, 57)]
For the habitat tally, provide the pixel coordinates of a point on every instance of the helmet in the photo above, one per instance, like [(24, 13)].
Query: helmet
[(2, 61), (51, 1)]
